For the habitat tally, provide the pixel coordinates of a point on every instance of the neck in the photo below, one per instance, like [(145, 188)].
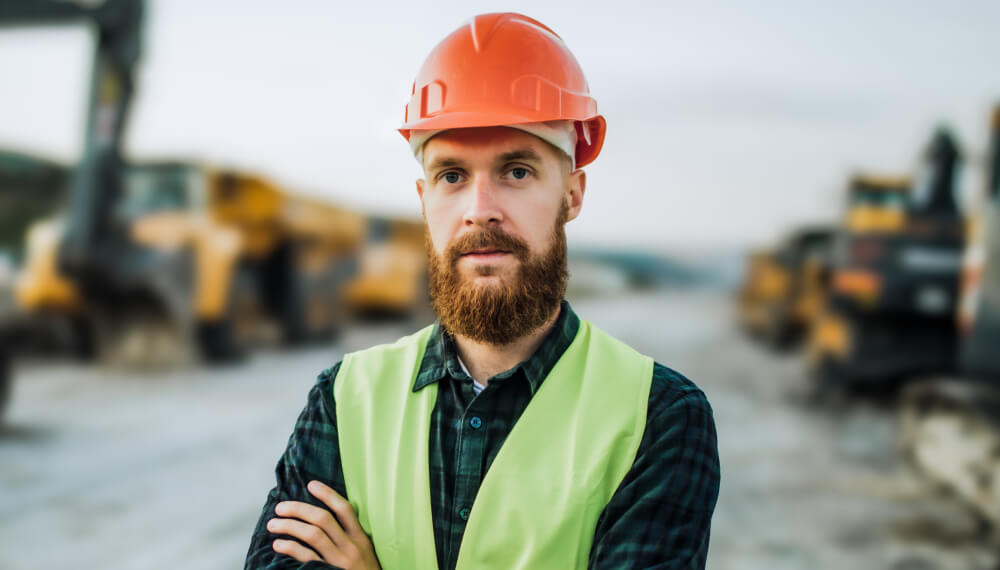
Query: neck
[(485, 360)]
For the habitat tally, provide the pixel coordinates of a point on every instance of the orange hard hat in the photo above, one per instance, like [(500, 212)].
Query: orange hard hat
[(504, 69)]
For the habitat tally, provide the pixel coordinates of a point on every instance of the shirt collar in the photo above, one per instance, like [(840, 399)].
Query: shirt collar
[(441, 357)]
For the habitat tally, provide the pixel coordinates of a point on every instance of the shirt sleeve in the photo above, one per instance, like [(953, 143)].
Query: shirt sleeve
[(660, 515), (313, 452)]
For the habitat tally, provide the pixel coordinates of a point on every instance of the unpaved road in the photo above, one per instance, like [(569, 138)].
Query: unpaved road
[(108, 470)]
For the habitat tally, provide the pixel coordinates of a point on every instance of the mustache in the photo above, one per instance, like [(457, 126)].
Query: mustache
[(487, 238)]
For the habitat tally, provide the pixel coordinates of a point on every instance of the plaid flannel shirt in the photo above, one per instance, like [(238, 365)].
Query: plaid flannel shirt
[(659, 517)]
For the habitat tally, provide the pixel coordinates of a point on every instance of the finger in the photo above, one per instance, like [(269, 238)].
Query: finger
[(295, 550), (315, 516), (340, 507), (313, 536)]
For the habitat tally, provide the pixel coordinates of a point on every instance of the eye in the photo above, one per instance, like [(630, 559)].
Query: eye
[(519, 173), (451, 177)]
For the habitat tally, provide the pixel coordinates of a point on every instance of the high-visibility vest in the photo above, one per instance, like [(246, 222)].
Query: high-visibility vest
[(538, 505)]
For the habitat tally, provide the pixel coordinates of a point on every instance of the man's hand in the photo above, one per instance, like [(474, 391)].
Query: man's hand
[(338, 541)]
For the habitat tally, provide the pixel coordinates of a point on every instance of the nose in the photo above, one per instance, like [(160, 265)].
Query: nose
[(484, 208)]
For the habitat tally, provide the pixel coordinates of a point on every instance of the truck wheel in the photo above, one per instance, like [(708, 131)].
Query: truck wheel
[(229, 338)]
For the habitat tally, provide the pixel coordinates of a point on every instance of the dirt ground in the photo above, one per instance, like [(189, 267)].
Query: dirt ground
[(109, 470)]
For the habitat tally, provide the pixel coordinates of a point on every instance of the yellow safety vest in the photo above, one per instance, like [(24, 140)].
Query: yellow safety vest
[(538, 505)]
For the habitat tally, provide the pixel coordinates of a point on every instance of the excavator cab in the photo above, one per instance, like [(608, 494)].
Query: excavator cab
[(160, 187)]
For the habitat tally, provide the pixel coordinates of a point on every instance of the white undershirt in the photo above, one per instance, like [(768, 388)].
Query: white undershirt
[(476, 386)]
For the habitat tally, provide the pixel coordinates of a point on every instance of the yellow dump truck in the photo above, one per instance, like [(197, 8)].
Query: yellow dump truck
[(211, 254), (392, 278)]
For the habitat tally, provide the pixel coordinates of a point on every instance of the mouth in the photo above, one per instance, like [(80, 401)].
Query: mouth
[(485, 253)]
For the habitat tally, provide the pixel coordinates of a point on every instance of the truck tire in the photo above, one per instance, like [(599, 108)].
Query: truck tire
[(230, 337)]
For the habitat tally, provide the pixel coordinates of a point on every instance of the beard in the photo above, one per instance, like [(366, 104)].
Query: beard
[(499, 313)]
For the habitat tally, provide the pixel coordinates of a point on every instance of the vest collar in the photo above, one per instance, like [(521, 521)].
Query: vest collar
[(441, 359)]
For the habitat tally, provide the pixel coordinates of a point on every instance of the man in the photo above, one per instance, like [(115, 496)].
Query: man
[(510, 434)]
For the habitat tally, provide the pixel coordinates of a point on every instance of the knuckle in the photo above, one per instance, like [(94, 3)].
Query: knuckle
[(314, 534), (351, 552)]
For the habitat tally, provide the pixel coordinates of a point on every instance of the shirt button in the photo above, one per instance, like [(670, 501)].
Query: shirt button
[(464, 513), (476, 422)]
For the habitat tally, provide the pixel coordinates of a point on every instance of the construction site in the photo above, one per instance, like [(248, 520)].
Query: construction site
[(164, 314)]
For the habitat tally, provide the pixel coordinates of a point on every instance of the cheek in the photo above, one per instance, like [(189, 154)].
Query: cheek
[(441, 225), (537, 225)]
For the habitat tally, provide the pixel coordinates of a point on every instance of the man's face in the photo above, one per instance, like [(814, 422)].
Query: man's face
[(494, 201)]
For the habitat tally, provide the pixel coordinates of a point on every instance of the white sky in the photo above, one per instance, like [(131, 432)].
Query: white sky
[(729, 121)]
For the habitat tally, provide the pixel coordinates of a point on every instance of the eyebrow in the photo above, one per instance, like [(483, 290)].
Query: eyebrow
[(516, 154), (520, 154), (443, 162)]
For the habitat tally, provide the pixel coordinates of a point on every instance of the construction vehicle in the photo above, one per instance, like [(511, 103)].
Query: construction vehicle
[(894, 279), (950, 426), (31, 187), (153, 261), (253, 252), (392, 278), (785, 288)]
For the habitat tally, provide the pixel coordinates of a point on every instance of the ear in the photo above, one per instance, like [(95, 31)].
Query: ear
[(420, 192), (574, 193)]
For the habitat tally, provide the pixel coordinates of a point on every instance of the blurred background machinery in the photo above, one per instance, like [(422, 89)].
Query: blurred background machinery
[(894, 277), (910, 306), (31, 187), (950, 426), (149, 261), (392, 278), (785, 288)]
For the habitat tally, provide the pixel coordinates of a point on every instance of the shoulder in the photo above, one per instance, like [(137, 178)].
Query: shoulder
[(329, 375), (679, 415), (680, 432), (322, 390), (671, 389)]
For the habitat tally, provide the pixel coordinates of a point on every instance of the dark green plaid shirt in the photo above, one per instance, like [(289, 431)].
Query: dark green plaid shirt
[(659, 517)]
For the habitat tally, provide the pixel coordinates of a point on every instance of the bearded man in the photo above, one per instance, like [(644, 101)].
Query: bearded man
[(510, 433)]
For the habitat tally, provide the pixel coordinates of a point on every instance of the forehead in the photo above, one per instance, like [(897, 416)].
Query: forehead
[(481, 143)]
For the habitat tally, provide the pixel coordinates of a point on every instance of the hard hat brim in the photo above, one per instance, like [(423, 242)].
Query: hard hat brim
[(590, 129)]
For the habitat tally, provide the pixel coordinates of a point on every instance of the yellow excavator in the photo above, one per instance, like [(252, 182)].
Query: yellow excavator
[(894, 279), (156, 262)]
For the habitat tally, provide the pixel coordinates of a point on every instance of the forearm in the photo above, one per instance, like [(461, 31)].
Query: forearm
[(261, 556), (312, 453)]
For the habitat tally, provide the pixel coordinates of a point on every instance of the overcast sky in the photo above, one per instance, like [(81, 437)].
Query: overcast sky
[(728, 122)]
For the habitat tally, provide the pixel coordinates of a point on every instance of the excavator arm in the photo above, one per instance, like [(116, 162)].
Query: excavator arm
[(91, 235)]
